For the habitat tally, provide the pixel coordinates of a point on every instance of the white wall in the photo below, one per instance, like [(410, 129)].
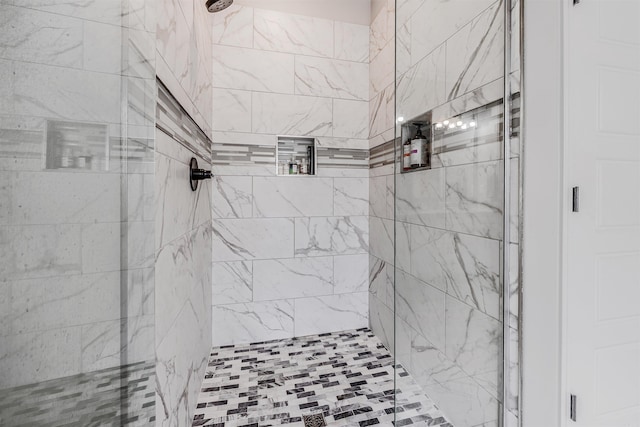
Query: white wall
[(543, 135)]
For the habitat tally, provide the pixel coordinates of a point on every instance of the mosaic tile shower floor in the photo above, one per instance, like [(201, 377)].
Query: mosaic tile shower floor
[(346, 376)]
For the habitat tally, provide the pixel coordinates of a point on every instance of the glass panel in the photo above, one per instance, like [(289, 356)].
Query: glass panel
[(450, 212), (77, 213)]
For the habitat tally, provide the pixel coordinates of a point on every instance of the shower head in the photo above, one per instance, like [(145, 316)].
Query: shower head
[(214, 6)]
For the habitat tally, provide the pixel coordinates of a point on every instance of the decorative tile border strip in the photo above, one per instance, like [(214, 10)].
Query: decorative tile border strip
[(173, 119)]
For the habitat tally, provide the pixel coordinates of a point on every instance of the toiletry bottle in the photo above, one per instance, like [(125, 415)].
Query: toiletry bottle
[(298, 167), (293, 166), (406, 155), (304, 169), (418, 149), (311, 161)]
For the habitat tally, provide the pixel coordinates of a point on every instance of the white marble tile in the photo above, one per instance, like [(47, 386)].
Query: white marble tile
[(181, 361), (421, 198), (40, 356), (241, 138), (181, 210), (474, 199), (232, 282), (402, 350), (475, 54), (247, 239), (380, 33), (403, 246), (101, 347), (63, 301), (292, 278), (351, 41), (514, 289), (464, 402), (331, 313), (231, 110), (64, 93), (351, 196), (249, 69), (46, 38), (232, 197), (381, 321), (474, 342), (466, 267), (406, 9), (253, 322), (429, 365), (331, 236), (382, 238), (283, 32), (403, 49), (34, 198), (291, 115), (379, 118), (101, 247), (183, 268), (233, 27), (94, 10), (350, 119), (340, 142), (382, 70), (140, 244), (331, 78), (381, 281), (422, 307), (292, 197), (351, 273), (381, 196), (102, 47), (422, 87), (40, 251), (436, 21)]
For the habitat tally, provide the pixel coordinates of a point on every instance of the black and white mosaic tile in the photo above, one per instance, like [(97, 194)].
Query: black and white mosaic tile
[(348, 377)]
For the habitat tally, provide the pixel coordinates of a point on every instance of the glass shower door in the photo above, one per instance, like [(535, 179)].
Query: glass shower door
[(451, 203), (77, 103)]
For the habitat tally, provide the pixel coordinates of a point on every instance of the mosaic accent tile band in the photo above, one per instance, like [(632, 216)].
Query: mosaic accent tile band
[(172, 119), (265, 155), (347, 377), (121, 396)]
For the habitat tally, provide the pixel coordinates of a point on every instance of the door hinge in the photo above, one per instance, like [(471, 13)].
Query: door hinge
[(574, 407), (576, 199)]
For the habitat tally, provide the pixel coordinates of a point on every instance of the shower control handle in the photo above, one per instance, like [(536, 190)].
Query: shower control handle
[(196, 174)]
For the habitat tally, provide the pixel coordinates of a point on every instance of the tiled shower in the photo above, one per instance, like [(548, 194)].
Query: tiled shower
[(364, 292)]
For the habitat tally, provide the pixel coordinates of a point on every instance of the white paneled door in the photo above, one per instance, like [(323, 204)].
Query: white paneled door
[(603, 247)]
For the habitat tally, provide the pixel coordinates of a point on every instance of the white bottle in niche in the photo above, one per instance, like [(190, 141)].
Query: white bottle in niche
[(304, 168), (293, 166), (406, 155), (418, 149)]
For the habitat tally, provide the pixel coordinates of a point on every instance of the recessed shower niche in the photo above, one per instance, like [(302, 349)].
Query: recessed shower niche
[(416, 144), (296, 156), (77, 146)]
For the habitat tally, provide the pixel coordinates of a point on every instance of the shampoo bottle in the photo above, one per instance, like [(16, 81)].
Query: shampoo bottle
[(418, 149)]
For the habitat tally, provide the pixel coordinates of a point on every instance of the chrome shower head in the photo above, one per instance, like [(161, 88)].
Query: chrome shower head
[(214, 6)]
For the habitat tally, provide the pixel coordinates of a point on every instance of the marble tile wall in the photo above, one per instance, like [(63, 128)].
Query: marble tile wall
[(74, 299), (448, 220), (184, 61), (183, 221), (290, 253)]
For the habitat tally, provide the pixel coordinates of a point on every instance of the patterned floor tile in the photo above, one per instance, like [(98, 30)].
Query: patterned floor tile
[(348, 377)]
